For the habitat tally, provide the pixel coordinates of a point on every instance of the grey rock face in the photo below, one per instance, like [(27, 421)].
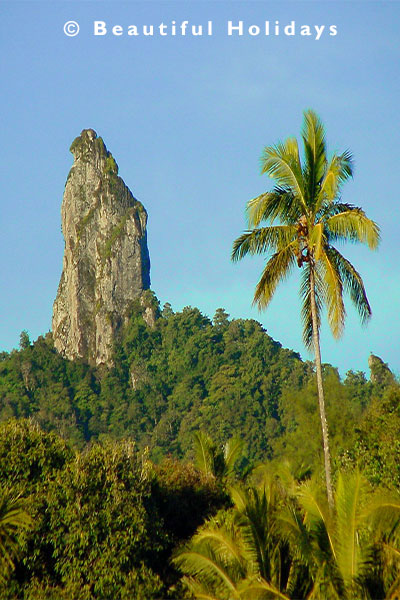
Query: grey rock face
[(106, 261)]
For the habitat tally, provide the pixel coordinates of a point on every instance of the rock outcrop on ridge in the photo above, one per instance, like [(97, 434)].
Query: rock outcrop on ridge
[(106, 261)]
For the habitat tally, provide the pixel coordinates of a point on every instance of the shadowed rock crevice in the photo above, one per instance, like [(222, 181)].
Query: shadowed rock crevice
[(106, 261)]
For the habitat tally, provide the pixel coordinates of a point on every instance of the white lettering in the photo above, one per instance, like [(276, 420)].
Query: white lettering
[(236, 28), (319, 31), (100, 28), (117, 30), (290, 29), (254, 30), (333, 30)]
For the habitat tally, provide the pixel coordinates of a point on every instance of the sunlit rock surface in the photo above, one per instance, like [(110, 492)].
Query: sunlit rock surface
[(106, 261)]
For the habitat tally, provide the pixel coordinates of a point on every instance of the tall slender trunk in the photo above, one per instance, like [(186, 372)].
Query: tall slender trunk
[(321, 399)]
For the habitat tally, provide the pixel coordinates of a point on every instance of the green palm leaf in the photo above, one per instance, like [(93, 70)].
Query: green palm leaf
[(353, 225), (277, 269), (205, 566), (349, 492), (282, 162), (232, 450), (339, 169), (279, 204), (333, 292), (353, 284), (315, 151), (263, 240), (204, 452), (13, 518)]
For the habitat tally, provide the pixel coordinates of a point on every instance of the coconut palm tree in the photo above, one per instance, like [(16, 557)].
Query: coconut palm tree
[(305, 216)]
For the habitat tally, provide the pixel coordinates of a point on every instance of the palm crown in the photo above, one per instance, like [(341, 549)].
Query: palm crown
[(311, 217)]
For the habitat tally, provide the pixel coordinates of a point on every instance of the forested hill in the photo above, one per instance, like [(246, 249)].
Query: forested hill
[(181, 372)]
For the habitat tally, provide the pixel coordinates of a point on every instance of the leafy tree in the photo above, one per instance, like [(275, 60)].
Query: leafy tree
[(307, 205), (101, 514), (24, 341), (376, 446), (221, 319)]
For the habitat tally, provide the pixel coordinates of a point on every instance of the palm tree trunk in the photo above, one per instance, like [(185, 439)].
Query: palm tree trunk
[(321, 399)]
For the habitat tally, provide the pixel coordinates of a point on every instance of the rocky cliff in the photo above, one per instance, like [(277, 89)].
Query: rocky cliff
[(106, 261)]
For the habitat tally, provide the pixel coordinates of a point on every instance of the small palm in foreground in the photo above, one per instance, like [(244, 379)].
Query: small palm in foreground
[(219, 462), (344, 550), (311, 217), (285, 543), (12, 518), (238, 554)]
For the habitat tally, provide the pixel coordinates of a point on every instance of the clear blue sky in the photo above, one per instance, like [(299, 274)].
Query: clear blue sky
[(187, 118)]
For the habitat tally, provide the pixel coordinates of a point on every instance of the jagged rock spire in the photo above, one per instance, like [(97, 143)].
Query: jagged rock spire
[(106, 261)]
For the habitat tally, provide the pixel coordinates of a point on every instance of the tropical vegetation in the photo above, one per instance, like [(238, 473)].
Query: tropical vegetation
[(280, 540), (187, 470)]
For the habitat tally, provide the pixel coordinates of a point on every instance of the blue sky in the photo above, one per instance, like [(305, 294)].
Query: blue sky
[(186, 118)]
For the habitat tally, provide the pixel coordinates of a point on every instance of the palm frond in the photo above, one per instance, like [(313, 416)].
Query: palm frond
[(263, 240), (353, 226), (280, 204), (319, 522), (216, 559), (277, 269), (383, 512), (315, 154), (317, 240), (260, 589), (205, 567), (232, 452), (200, 590), (282, 162), (13, 518), (258, 527), (226, 542), (329, 209), (333, 292), (294, 529), (348, 500), (353, 284), (339, 169), (204, 452)]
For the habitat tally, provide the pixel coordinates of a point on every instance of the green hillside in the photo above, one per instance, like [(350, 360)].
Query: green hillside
[(186, 373)]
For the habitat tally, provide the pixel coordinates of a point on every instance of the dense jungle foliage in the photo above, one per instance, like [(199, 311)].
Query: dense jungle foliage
[(102, 460)]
